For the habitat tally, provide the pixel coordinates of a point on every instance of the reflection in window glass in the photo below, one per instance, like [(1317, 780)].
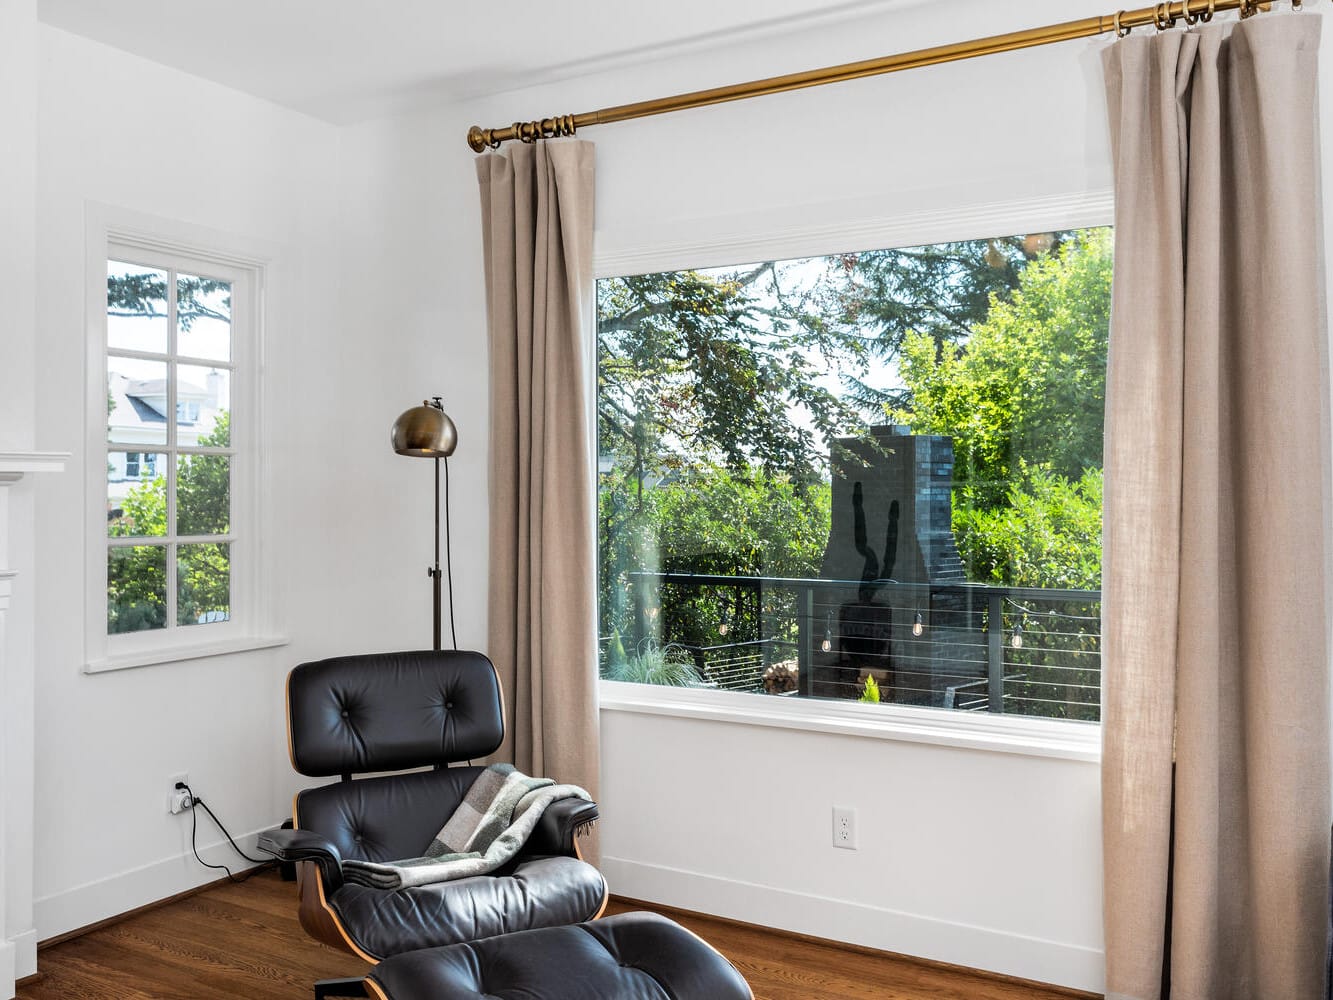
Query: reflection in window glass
[(873, 476)]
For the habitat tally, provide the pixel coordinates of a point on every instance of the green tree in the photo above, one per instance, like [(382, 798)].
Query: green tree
[(940, 291), (711, 521), (1046, 534), (143, 294), (136, 576), (718, 366), (1029, 385)]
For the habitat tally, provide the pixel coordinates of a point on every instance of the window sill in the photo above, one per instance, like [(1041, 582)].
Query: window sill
[(148, 658), (1080, 741)]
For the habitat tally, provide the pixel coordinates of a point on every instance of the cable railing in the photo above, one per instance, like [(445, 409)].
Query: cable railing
[(961, 646)]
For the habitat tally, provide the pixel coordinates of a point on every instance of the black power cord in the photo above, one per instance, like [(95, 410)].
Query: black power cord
[(263, 864)]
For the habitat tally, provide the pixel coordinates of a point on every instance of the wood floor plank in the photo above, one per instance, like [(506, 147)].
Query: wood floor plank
[(245, 941)]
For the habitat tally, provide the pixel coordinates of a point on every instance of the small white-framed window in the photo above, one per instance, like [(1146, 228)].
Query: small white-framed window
[(173, 391)]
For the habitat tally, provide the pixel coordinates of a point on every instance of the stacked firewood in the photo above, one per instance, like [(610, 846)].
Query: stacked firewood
[(779, 678)]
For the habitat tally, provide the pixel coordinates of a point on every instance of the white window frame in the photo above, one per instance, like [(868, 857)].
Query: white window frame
[(677, 246), (160, 244)]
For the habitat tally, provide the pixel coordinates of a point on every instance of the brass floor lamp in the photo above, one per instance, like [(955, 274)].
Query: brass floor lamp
[(426, 431)]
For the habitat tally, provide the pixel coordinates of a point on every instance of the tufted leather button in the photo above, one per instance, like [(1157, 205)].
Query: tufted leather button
[(448, 704), (344, 713)]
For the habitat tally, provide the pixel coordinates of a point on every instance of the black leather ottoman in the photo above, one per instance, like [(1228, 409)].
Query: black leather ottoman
[(631, 956)]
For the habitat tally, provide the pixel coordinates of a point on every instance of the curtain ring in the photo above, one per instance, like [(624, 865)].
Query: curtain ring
[(1207, 15), (1122, 32), (1162, 16), (1190, 18)]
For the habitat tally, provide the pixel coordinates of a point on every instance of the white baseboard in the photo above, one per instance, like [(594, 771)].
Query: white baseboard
[(62, 912), (25, 954), (7, 976), (1009, 954)]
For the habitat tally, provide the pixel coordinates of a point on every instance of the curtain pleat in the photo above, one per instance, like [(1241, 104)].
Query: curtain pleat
[(537, 221), (1215, 779)]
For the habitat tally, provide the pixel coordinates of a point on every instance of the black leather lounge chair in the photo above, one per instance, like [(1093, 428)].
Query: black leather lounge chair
[(393, 712)]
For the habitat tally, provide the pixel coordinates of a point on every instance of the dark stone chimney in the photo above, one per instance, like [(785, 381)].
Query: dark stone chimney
[(891, 523)]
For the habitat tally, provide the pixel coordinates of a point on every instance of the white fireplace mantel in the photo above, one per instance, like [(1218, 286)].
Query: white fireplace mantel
[(18, 938), (16, 464)]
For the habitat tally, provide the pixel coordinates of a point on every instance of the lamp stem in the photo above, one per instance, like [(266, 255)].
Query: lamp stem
[(435, 573), (449, 556)]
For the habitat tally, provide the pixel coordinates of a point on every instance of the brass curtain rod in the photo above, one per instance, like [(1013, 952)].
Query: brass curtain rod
[(1160, 16)]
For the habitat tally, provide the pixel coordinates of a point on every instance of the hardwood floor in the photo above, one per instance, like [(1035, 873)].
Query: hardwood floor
[(244, 941)]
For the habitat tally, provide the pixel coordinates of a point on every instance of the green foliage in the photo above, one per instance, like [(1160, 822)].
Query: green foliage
[(707, 521), (1047, 533), (941, 292), (1030, 382), (716, 394), (144, 294), (668, 665), (721, 366), (136, 575), (870, 690)]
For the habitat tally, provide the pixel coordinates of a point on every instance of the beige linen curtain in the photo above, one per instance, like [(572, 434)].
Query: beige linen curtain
[(1215, 530), (537, 219)]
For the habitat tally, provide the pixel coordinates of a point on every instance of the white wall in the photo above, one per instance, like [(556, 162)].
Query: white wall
[(18, 172), (120, 131)]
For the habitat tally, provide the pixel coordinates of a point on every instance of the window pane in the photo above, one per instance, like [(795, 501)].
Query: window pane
[(136, 598), (136, 307), (873, 476), (203, 318), (203, 495), (136, 400), (136, 493), (203, 584), (203, 402)]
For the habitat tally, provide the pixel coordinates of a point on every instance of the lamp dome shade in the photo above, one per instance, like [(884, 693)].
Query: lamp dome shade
[(424, 431)]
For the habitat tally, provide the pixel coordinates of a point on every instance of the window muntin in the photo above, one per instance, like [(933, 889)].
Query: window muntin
[(719, 392), (170, 345)]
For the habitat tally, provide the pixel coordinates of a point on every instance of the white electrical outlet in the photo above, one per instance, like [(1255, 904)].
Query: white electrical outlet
[(178, 800), (844, 827)]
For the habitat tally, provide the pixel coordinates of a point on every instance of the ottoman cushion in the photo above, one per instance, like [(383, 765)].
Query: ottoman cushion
[(632, 956)]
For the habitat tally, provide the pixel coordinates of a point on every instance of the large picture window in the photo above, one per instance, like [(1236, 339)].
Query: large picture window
[(872, 476)]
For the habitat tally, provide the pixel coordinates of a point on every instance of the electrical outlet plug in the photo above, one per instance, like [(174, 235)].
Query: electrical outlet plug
[(844, 827), (179, 800)]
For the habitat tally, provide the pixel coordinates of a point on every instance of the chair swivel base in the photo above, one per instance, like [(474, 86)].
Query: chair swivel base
[(353, 987), (639, 955)]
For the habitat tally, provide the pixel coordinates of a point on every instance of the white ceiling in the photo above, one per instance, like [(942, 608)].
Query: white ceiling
[(350, 60)]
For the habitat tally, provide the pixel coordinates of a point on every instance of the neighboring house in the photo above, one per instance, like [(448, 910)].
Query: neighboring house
[(139, 417)]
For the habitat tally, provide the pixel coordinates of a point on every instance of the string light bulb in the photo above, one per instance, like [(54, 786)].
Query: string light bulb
[(827, 644), (1016, 639), (918, 625)]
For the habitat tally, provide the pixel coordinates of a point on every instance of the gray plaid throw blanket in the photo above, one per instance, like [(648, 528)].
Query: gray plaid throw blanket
[(493, 821)]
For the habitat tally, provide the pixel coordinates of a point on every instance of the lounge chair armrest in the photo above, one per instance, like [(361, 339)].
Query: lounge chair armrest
[(305, 845), (562, 821)]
